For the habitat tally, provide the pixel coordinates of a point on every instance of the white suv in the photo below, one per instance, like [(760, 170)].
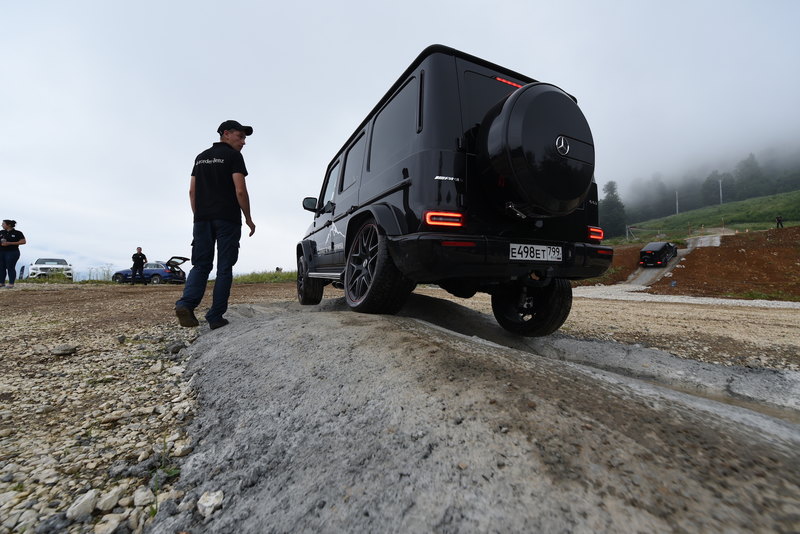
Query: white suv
[(44, 267)]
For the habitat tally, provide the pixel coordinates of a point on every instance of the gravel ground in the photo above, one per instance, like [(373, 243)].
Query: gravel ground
[(93, 404)]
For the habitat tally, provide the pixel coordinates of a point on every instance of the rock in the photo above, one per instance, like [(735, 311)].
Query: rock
[(175, 347), (7, 496), (209, 502), (109, 523), (143, 496), (54, 524), (83, 506), (109, 500), (182, 448), (64, 350), (176, 370), (26, 521)]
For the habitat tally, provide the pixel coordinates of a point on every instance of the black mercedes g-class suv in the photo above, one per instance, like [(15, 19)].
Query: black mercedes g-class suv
[(657, 254), (466, 175)]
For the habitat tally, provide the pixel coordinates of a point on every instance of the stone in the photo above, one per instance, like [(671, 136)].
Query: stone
[(109, 500), (64, 350), (54, 524), (83, 506), (209, 502), (182, 448), (109, 523), (26, 521), (143, 496), (174, 348)]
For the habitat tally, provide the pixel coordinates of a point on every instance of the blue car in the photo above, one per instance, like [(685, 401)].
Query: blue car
[(157, 272)]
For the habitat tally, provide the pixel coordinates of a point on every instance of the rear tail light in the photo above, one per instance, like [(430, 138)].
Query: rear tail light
[(595, 232), (444, 218)]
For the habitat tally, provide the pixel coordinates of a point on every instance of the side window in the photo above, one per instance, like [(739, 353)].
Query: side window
[(353, 162), (330, 186), (395, 128)]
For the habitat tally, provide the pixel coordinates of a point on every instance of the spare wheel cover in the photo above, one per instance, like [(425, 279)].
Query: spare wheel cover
[(541, 142)]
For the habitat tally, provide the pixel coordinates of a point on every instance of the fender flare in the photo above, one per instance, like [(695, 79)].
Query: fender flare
[(387, 217), (308, 250)]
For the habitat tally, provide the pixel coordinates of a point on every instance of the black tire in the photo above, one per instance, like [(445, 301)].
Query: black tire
[(118, 278), (309, 290), (372, 282), (155, 279), (533, 311)]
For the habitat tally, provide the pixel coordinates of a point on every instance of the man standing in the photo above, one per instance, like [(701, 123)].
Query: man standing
[(139, 260), (219, 197)]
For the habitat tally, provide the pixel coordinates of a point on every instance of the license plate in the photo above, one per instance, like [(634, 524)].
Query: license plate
[(534, 252)]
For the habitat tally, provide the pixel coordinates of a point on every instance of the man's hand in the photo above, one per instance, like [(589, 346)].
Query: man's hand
[(249, 222)]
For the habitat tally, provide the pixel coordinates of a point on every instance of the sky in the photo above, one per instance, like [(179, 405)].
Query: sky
[(104, 105)]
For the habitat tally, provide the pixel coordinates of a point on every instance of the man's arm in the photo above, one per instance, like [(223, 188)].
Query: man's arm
[(191, 192), (244, 200)]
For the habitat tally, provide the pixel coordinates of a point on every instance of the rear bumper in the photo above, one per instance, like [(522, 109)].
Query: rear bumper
[(428, 257)]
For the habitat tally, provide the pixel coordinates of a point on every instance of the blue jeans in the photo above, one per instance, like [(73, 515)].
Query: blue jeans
[(8, 263), (226, 235)]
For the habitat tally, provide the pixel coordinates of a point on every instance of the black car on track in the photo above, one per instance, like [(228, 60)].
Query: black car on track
[(467, 175), (657, 254)]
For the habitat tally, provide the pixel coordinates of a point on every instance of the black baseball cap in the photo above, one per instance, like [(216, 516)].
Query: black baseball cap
[(234, 125)]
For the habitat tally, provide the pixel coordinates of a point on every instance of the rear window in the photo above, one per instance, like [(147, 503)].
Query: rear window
[(480, 94)]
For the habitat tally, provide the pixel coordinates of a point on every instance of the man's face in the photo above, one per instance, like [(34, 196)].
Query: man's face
[(235, 138)]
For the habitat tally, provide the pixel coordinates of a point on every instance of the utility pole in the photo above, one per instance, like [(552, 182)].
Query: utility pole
[(676, 203), (720, 191)]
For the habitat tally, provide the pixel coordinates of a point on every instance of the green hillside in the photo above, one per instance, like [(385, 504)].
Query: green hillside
[(753, 214)]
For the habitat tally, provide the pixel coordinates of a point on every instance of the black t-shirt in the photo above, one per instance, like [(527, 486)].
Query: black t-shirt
[(11, 235), (138, 260), (215, 193)]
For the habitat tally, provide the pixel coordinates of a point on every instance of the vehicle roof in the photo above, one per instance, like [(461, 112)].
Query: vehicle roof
[(654, 245), (427, 52)]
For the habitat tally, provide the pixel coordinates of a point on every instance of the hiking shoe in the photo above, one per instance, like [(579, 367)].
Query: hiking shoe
[(217, 324), (186, 316)]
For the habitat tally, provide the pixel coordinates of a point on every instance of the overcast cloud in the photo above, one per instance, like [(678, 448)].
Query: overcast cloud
[(106, 104)]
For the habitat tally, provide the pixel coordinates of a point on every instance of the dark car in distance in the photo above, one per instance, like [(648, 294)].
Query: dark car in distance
[(467, 175), (657, 254), (157, 272)]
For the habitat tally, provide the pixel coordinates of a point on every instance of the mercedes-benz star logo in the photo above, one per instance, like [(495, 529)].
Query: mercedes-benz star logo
[(562, 145)]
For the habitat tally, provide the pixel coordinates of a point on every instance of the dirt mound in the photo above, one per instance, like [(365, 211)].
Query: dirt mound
[(763, 265)]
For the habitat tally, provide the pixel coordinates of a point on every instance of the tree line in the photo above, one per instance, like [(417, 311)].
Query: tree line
[(655, 197)]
